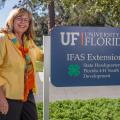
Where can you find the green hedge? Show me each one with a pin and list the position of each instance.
(40, 111)
(93, 109)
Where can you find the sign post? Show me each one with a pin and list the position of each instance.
(46, 42)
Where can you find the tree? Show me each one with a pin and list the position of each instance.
(109, 9)
(92, 12)
(76, 12)
(51, 12)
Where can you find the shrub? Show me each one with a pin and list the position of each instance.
(92, 109)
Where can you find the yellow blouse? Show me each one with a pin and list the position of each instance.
(12, 66)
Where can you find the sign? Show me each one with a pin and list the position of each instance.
(85, 56)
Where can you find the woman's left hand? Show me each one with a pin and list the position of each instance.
(3, 103)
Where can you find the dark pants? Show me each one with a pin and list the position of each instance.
(19, 110)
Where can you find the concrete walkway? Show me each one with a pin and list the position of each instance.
(62, 93)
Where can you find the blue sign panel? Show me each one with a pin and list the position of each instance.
(85, 56)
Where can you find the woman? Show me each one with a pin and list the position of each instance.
(17, 73)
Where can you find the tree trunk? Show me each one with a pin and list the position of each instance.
(51, 22)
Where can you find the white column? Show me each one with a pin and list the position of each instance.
(47, 56)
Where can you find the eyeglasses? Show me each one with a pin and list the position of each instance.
(20, 19)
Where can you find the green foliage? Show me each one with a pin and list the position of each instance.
(40, 111)
(33, 1)
(92, 12)
(109, 9)
(39, 66)
(92, 109)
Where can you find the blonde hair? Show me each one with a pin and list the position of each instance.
(10, 20)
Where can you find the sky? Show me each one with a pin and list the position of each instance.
(4, 12)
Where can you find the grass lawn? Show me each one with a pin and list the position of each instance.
(93, 109)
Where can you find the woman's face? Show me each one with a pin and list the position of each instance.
(21, 23)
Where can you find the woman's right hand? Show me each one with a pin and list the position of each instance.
(3, 103)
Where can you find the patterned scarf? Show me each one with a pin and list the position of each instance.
(29, 70)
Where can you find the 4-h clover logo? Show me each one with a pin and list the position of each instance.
(74, 70)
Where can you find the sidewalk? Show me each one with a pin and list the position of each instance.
(62, 93)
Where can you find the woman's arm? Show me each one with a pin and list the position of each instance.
(3, 101)
(37, 52)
